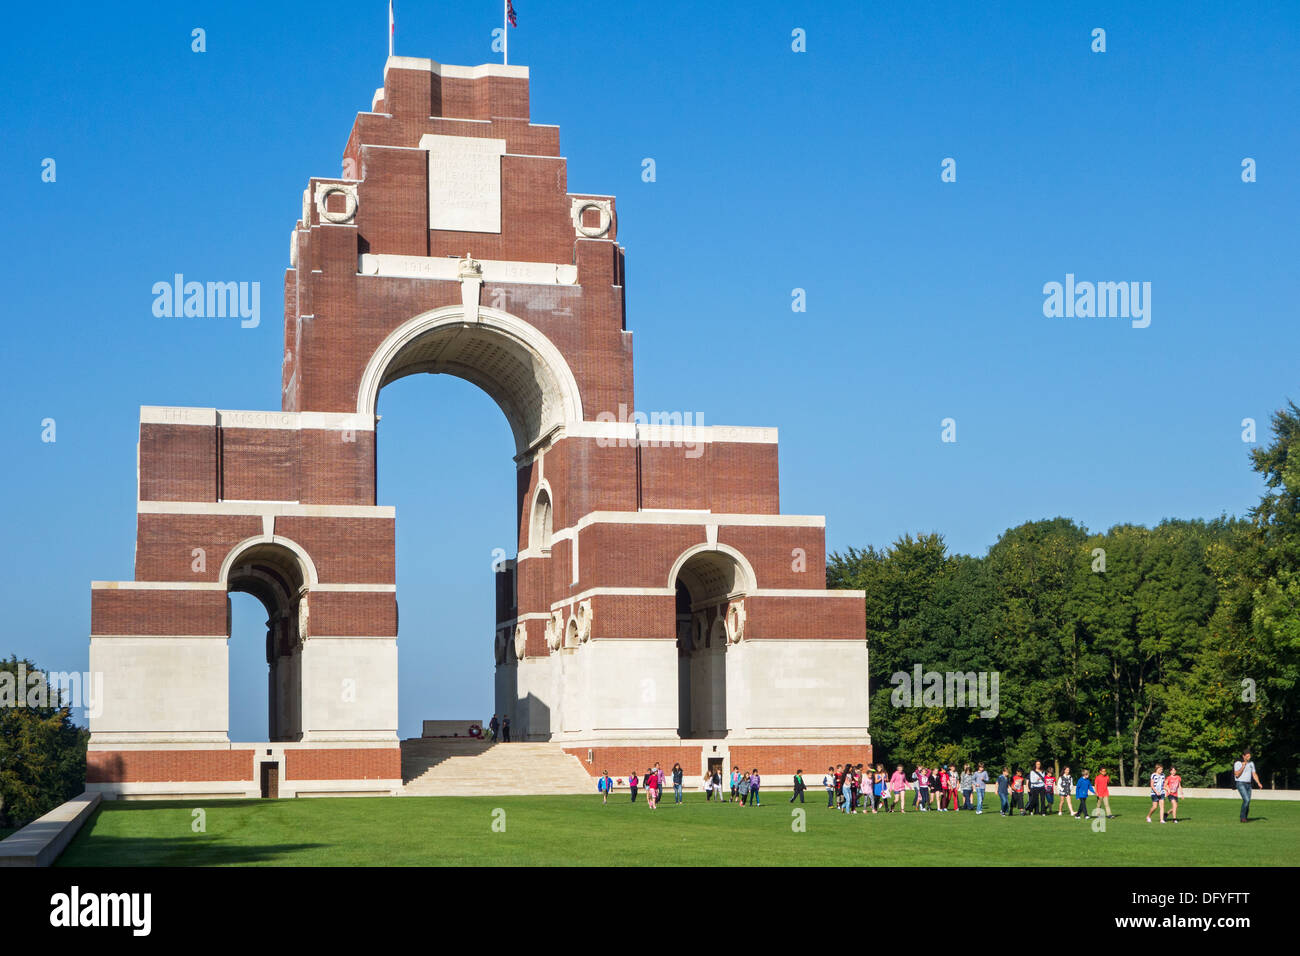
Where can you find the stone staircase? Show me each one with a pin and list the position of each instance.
(461, 767)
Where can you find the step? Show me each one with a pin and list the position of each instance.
(434, 766)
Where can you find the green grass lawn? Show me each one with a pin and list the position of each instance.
(579, 830)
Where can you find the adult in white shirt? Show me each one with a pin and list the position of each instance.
(1243, 772)
(1037, 789)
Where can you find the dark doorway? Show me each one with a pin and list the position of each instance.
(270, 781)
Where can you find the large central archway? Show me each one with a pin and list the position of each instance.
(518, 366)
(528, 379)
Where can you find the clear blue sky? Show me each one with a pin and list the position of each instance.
(776, 170)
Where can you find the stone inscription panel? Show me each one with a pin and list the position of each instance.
(464, 182)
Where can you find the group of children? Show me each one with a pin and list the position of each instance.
(1165, 788)
(1043, 786)
(851, 787)
(854, 787)
(744, 786)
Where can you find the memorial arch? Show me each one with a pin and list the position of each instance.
(279, 574)
(655, 607)
(512, 361)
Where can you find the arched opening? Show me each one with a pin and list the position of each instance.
(708, 583)
(450, 490)
(521, 369)
(539, 534)
(443, 459)
(277, 577)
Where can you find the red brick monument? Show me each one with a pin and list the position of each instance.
(660, 606)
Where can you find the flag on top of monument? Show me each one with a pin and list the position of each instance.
(510, 14)
(392, 28)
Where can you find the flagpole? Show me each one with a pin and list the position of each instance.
(505, 32)
(391, 27)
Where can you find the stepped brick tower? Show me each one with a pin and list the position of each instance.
(659, 607)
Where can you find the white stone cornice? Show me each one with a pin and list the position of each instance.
(702, 518)
(611, 592)
(230, 418)
(357, 588)
(810, 593)
(450, 71)
(264, 508)
(670, 435)
(448, 268)
(218, 586)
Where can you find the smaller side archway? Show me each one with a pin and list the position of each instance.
(710, 582)
(279, 573)
(541, 522)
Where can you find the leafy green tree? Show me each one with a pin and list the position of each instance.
(1178, 643)
(42, 753)
(1032, 568)
(1252, 659)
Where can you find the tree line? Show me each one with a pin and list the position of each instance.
(1174, 643)
(42, 752)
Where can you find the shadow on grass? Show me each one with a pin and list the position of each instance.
(128, 806)
(199, 850)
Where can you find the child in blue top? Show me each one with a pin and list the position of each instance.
(1082, 790)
